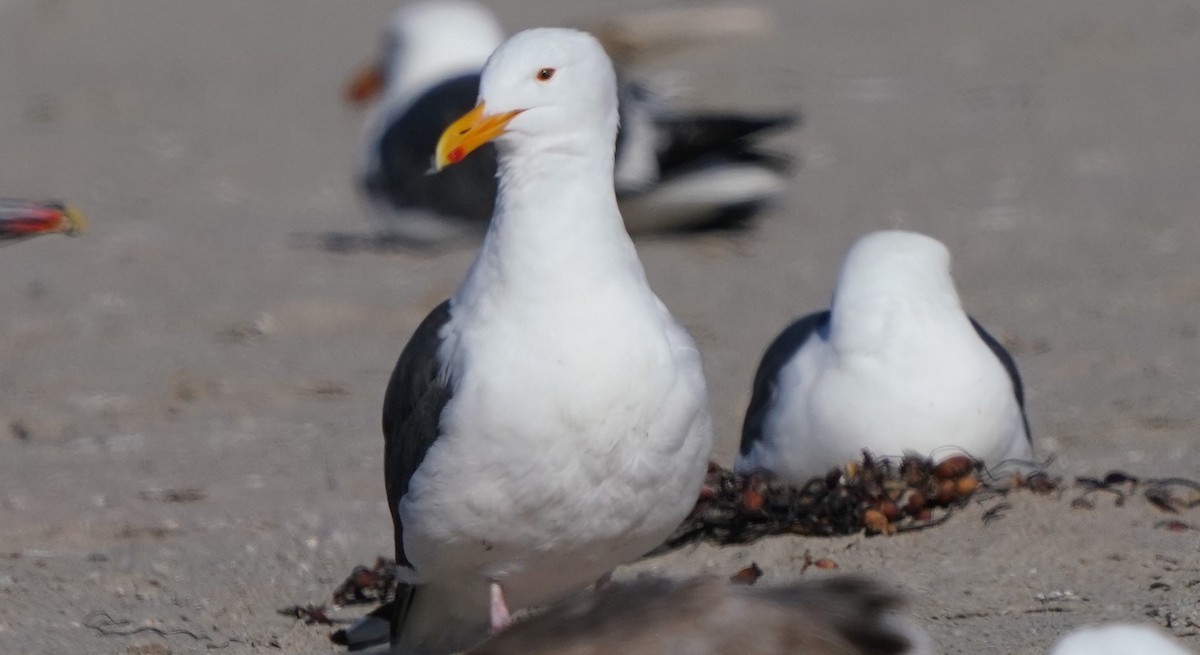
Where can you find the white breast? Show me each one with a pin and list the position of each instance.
(558, 462)
(932, 392)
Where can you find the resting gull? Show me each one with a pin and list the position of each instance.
(549, 422)
(674, 170)
(896, 365)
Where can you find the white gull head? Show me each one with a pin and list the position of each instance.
(545, 91)
(887, 274)
(429, 42)
(560, 80)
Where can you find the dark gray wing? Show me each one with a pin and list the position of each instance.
(766, 379)
(691, 145)
(689, 138)
(681, 139)
(402, 178)
(412, 409)
(1009, 365)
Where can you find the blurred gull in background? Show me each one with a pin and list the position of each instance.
(839, 615)
(674, 170)
(836, 616)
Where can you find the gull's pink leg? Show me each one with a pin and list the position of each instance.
(500, 614)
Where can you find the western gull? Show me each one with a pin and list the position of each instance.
(550, 421)
(1118, 639)
(674, 170)
(895, 365)
(24, 219)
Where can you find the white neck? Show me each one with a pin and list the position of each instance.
(556, 230)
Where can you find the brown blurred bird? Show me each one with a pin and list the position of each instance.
(835, 616)
(25, 219)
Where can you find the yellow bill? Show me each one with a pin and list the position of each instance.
(466, 134)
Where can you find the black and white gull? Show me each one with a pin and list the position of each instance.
(550, 421)
(674, 170)
(894, 366)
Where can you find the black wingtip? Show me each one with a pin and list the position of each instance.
(691, 137)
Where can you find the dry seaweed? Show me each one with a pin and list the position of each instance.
(880, 496)
(376, 584)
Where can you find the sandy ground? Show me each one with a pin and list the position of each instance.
(190, 398)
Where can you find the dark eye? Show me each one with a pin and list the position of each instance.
(545, 74)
